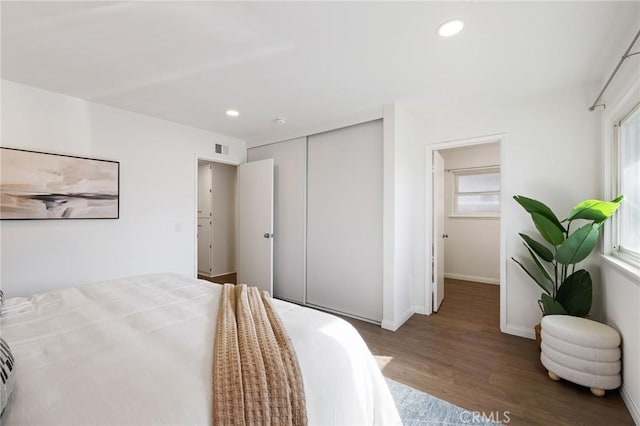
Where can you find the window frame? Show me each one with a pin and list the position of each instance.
(628, 256)
(475, 171)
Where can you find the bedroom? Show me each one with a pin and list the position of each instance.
(79, 79)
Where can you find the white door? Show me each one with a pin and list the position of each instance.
(290, 183)
(254, 230)
(204, 246)
(438, 235)
(344, 220)
(205, 190)
(205, 185)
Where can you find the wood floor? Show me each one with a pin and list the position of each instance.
(459, 355)
(221, 279)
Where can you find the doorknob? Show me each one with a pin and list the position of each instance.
(445, 235)
(267, 235)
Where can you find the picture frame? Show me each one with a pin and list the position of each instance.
(37, 185)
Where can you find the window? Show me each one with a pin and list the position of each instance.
(477, 193)
(627, 222)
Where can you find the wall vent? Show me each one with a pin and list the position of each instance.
(221, 149)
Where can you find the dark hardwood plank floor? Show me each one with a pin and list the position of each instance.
(221, 279)
(460, 355)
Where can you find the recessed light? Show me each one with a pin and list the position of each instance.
(232, 113)
(280, 120)
(450, 27)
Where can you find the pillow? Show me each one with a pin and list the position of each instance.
(6, 373)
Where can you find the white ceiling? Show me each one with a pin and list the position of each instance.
(311, 62)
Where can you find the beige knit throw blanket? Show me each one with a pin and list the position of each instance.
(256, 376)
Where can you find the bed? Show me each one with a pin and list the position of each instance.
(139, 351)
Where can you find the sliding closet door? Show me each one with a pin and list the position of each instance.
(344, 220)
(289, 214)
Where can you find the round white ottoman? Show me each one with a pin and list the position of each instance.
(581, 351)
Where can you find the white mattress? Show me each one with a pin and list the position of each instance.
(138, 351)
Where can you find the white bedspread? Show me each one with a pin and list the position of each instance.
(139, 351)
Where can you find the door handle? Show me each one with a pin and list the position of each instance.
(267, 235)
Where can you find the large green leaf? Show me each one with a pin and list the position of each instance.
(551, 306)
(538, 248)
(541, 268)
(549, 230)
(575, 293)
(533, 277)
(535, 206)
(595, 210)
(579, 244)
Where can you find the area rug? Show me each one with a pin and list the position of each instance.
(417, 408)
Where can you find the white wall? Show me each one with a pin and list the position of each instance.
(398, 218)
(472, 251)
(224, 219)
(621, 310)
(156, 229)
(551, 153)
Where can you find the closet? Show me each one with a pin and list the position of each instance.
(328, 219)
(344, 220)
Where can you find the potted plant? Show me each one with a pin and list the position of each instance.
(565, 290)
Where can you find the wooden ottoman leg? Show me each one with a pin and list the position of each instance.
(553, 376)
(597, 392)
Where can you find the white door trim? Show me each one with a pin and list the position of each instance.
(197, 158)
(504, 199)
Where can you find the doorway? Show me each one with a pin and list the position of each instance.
(216, 221)
(234, 222)
(465, 232)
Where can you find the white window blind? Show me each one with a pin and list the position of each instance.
(628, 220)
(477, 193)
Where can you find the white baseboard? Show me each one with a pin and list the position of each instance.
(520, 331)
(205, 274)
(394, 325)
(344, 314)
(420, 310)
(631, 405)
(483, 280)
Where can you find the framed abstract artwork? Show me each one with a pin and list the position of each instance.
(39, 185)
